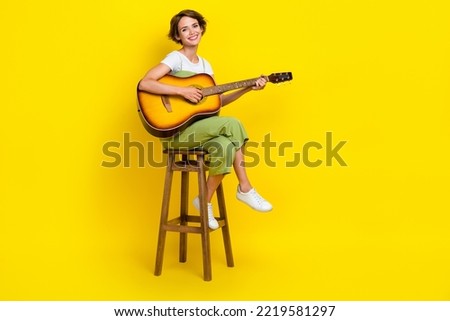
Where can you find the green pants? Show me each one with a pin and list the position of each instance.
(220, 136)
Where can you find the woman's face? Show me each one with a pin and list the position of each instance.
(189, 31)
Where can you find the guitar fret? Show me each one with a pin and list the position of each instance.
(226, 87)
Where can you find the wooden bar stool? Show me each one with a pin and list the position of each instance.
(191, 161)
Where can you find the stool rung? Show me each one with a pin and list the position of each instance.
(189, 218)
(184, 151)
(175, 223)
(195, 218)
(187, 166)
(183, 228)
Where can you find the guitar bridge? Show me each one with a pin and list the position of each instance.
(166, 102)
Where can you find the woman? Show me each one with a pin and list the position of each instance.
(222, 137)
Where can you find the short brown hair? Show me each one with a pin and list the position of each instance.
(173, 32)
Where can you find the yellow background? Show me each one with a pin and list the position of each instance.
(374, 73)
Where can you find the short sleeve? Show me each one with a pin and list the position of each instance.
(173, 61)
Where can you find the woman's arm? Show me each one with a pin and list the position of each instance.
(151, 84)
(229, 98)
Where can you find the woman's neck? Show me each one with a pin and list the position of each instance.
(190, 53)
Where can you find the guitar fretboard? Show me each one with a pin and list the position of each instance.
(214, 90)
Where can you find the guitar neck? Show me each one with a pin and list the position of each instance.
(214, 90)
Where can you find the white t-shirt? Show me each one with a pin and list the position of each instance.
(177, 62)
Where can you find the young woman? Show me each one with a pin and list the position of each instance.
(222, 137)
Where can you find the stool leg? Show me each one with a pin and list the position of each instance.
(183, 214)
(206, 246)
(225, 228)
(164, 215)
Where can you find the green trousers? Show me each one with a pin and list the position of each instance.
(220, 136)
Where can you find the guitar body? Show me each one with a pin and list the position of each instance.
(164, 116)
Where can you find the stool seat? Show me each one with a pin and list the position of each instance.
(191, 161)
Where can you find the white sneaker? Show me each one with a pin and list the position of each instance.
(254, 200)
(212, 222)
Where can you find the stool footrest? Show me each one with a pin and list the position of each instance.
(183, 228)
(174, 225)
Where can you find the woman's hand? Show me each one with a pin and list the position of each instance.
(191, 93)
(260, 83)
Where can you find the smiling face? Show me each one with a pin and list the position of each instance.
(184, 22)
(189, 31)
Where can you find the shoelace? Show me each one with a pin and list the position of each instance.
(256, 196)
(210, 213)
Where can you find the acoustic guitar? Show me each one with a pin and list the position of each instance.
(165, 116)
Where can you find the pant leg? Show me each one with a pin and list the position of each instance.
(220, 136)
(221, 155)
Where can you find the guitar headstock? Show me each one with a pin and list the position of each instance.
(280, 77)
